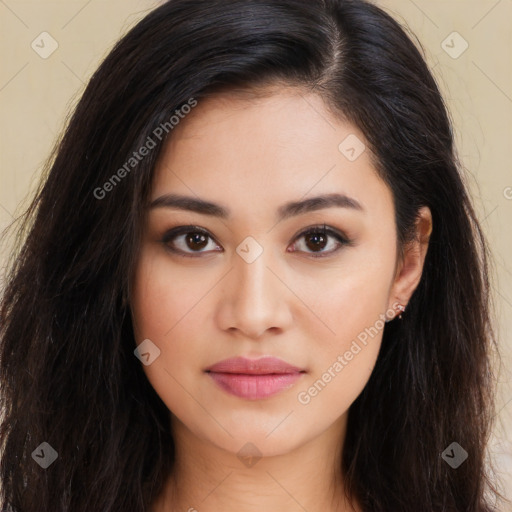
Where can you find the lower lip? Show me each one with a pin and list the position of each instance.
(254, 387)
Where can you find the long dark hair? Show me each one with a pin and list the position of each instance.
(68, 374)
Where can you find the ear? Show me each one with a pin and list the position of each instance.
(410, 267)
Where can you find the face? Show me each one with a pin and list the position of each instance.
(254, 282)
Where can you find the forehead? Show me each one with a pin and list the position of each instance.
(267, 145)
(270, 113)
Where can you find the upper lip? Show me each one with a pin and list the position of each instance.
(261, 366)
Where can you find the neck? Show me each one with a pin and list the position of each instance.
(208, 478)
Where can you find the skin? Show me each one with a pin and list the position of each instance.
(252, 155)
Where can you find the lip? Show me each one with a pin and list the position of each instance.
(254, 379)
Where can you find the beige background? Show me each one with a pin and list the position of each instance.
(36, 94)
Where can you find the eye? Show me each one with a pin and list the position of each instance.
(317, 239)
(187, 237)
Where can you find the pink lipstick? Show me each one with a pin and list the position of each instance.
(254, 379)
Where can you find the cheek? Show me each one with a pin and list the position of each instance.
(351, 303)
(163, 311)
(162, 297)
(344, 359)
(162, 306)
(350, 297)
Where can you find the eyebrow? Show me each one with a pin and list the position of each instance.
(285, 211)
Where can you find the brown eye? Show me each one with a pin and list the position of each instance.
(316, 241)
(318, 238)
(187, 240)
(196, 241)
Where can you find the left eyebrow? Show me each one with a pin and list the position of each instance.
(285, 211)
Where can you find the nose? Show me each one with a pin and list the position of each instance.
(254, 298)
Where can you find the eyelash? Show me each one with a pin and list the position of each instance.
(318, 230)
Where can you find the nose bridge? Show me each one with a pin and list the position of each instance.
(253, 280)
(255, 300)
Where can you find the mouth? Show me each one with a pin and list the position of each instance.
(254, 379)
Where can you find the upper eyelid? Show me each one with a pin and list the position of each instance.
(180, 230)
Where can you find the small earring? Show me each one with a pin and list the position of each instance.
(402, 309)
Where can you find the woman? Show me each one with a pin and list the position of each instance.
(252, 279)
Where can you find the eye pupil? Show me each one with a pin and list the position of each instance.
(317, 237)
(198, 239)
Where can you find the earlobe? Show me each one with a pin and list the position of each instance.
(410, 269)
